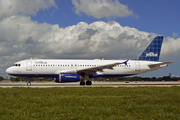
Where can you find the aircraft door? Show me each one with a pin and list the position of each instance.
(137, 66)
(29, 65)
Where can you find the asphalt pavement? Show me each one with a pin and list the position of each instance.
(94, 84)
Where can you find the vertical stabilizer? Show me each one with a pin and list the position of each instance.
(152, 52)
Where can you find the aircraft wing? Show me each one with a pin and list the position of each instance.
(163, 64)
(93, 70)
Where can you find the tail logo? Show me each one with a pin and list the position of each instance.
(151, 54)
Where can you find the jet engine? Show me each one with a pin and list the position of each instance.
(68, 77)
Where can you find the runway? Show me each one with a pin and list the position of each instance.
(94, 84)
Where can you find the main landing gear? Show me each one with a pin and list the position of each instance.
(85, 77)
(88, 82)
(82, 83)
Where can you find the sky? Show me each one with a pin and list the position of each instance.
(88, 29)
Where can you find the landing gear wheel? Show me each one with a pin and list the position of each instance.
(29, 84)
(88, 82)
(82, 83)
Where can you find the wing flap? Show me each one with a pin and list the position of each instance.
(93, 70)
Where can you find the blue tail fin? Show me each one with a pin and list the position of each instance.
(152, 52)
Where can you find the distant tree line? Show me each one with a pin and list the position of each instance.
(136, 78)
(1, 78)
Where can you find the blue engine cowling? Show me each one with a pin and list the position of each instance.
(68, 77)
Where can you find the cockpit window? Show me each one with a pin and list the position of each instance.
(17, 65)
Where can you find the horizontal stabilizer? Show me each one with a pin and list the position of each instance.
(163, 64)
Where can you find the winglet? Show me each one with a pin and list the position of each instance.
(126, 62)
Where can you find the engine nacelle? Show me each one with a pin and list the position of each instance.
(68, 77)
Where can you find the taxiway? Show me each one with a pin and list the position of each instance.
(94, 84)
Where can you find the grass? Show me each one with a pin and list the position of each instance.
(90, 103)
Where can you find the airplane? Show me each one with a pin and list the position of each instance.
(73, 70)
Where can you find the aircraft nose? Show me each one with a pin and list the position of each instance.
(8, 71)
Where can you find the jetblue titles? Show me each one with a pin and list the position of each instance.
(151, 54)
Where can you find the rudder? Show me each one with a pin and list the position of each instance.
(152, 52)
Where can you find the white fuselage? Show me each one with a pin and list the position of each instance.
(79, 70)
(53, 67)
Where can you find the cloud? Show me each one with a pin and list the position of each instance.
(102, 8)
(96, 40)
(29, 40)
(15, 7)
(175, 34)
(21, 38)
(87, 34)
(171, 49)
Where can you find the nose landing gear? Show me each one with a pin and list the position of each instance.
(29, 82)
